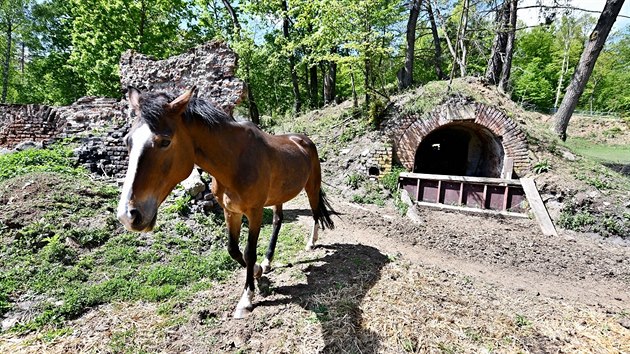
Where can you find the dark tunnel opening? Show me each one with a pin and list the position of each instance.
(460, 148)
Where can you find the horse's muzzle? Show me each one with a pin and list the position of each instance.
(134, 220)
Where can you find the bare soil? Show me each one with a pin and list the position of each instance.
(380, 282)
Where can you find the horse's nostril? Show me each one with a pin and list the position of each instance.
(134, 216)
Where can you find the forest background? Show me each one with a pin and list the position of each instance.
(297, 55)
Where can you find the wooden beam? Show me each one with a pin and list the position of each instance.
(472, 210)
(506, 194)
(469, 179)
(538, 207)
(508, 168)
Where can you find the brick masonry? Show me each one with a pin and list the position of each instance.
(376, 162)
(406, 132)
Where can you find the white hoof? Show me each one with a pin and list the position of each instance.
(266, 266)
(242, 313)
(313, 239)
(244, 307)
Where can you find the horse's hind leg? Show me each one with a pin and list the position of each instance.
(312, 191)
(277, 223)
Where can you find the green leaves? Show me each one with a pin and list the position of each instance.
(103, 30)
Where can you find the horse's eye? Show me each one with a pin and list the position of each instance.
(164, 143)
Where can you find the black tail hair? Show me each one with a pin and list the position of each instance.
(325, 211)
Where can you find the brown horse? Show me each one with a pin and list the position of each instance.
(250, 168)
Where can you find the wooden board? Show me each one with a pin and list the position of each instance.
(538, 207)
(470, 179)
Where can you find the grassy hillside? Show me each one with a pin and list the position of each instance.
(585, 181)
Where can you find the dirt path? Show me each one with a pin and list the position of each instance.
(509, 253)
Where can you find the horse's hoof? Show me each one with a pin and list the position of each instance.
(242, 313)
(258, 271)
(266, 266)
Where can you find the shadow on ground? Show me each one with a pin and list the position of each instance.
(336, 286)
(624, 169)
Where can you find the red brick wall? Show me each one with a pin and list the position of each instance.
(408, 131)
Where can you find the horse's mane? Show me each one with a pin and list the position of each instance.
(152, 109)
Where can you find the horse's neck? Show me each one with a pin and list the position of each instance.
(217, 148)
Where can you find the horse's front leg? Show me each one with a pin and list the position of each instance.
(244, 306)
(233, 222)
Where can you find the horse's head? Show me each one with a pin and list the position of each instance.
(161, 154)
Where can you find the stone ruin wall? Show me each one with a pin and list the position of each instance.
(101, 123)
(211, 67)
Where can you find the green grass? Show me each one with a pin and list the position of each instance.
(64, 248)
(58, 158)
(601, 152)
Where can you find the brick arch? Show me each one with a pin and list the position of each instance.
(411, 129)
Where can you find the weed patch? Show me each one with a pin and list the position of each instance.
(57, 158)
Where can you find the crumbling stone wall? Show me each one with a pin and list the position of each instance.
(41, 123)
(22, 123)
(377, 161)
(101, 123)
(211, 67)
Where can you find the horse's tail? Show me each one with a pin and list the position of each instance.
(325, 210)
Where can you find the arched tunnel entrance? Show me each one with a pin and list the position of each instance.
(461, 148)
(463, 155)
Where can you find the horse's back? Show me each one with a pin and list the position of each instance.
(295, 160)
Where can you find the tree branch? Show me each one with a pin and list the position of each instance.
(565, 8)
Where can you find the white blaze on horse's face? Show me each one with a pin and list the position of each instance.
(134, 214)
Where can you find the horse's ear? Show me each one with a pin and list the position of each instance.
(180, 104)
(134, 97)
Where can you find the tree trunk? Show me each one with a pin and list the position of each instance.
(330, 81)
(563, 70)
(297, 106)
(585, 67)
(495, 63)
(252, 107)
(314, 85)
(406, 79)
(23, 58)
(509, 49)
(454, 50)
(235, 21)
(464, 24)
(366, 83)
(355, 100)
(141, 26)
(7, 63)
(436, 45)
